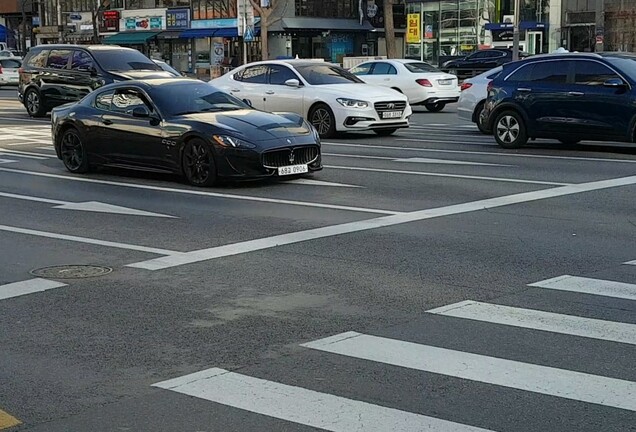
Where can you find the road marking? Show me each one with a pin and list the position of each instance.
(551, 381)
(88, 240)
(460, 176)
(204, 193)
(7, 420)
(24, 119)
(5, 161)
(522, 155)
(30, 286)
(415, 159)
(539, 320)
(90, 206)
(303, 406)
(47, 148)
(18, 153)
(589, 286)
(310, 182)
(380, 222)
(630, 262)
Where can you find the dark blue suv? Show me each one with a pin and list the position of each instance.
(569, 97)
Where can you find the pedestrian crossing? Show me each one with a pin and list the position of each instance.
(25, 135)
(306, 406)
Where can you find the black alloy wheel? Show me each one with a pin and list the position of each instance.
(33, 103)
(478, 120)
(73, 152)
(321, 117)
(198, 163)
(435, 107)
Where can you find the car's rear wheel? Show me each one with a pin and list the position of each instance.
(384, 132)
(73, 152)
(322, 118)
(510, 130)
(477, 116)
(435, 107)
(198, 163)
(34, 104)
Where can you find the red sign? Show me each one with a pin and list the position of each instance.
(110, 15)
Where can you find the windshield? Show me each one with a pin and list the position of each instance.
(625, 64)
(323, 74)
(183, 98)
(123, 60)
(420, 67)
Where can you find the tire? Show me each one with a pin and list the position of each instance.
(384, 132)
(34, 104)
(73, 152)
(322, 118)
(482, 128)
(510, 130)
(436, 107)
(197, 161)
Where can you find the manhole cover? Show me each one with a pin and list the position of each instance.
(71, 271)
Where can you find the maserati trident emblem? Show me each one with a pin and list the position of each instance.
(292, 156)
(390, 105)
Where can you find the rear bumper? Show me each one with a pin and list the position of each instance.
(439, 99)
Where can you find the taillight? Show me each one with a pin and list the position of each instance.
(489, 87)
(465, 86)
(0, 68)
(424, 82)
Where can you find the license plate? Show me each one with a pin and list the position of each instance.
(392, 114)
(445, 82)
(293, 169)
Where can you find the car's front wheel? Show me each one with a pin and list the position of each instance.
(385, 132)
(34, 104)
(198, 163)
(478, 120)
(435, 107)
(73, 152)
(510, 130)
(321, 117)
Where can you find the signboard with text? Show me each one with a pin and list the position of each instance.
(413, 29)
(146, 23)
(177, 19)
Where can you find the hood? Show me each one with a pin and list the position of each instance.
(361, 91)
(141, 74)
(255, 126)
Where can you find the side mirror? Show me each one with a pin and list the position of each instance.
(247, 102)
(292, 83)
(141, 112)
(614, 82)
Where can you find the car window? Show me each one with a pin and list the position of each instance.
(123, 60)
(554, 72)
(10, 63)
(494, 75)
(382, 68)
(126, 100)
(420, 67)
(592, 73)
(324, 74)
(58, 59)
(362, 69)
(82, 61)
(479, 55)
(279, 74)
(104, 100)
(39, 59)
(522, 74)
(255, 75)
(189, 97)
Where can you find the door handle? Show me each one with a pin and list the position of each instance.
(107, 122)
(576, 94)
(524, 90)
(387, 79)
(270, 92)
(235, 90)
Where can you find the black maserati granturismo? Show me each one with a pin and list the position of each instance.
(182, 126)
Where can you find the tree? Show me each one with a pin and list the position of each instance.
(23, 8)
(270, 12)
(389, 29)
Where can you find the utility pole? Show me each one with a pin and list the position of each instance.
(60, 24)
(515, 34)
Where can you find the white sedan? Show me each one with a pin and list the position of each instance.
(9, 71)
(473, 97)
(422, 83)
(329, 97)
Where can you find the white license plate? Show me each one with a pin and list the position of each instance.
(445, 82)
(293, 169)
(392, 114)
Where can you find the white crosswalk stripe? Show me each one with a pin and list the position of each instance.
(30, 286)
(589, 286)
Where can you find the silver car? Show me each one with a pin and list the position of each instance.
(474, 92)
(9, 71)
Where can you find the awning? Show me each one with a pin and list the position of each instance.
(3, 33)
(225, 32)
(130, 38)
(170, 34)
(333, 24)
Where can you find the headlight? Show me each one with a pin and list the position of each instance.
(352, 103)
(229, 141)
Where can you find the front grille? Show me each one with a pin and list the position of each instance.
(381, 107)
(290, 156)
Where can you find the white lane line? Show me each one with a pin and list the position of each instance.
(585, 285)
(30, 286)
(303, 406)
(540, 320)
(47, 148)
(630, 262)
(23, 119)
(5, 161)
(11, 154)
(551, 381)
(204, 193)
(459, 176)
(415, 159)
(88, 240)
(521, 155)
(380, 222)
(310, 182)
(25, 153)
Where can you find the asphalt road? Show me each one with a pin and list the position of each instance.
(215, 315)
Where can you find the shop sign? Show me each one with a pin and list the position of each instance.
(146, 23)
(214, 23)
(109, 21)
(413, 28)
(177, 19)
(428, 32)
(219, 53)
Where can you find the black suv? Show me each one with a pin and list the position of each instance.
(569, 97)
(53, 75)
(479, 61)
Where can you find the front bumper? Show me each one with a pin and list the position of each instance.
(356, 119)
